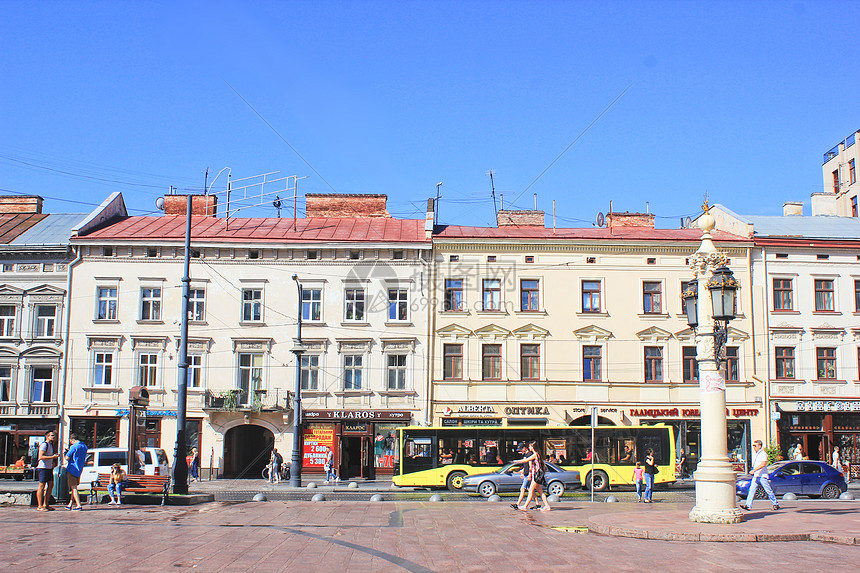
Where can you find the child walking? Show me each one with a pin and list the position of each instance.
(638, 479)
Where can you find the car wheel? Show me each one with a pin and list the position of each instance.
(830, 491)
(487, 488)
(599, 480)
(760, 493)
(455, 481)
(555, 488)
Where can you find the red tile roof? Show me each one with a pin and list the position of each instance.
(13, 225)
(214, 229)
(585, 234)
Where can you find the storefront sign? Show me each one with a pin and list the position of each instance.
(312, 415)
(315, 442)
(687, 412)
(826, 406)
(123, 413)
(481, 421)
(477, 408)
(355, 428)
(527, 411)
(450, 422)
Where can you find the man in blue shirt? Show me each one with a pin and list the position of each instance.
(76, 457)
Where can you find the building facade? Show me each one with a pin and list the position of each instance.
(535, 326)
(839, 170)
(806, 274)
(360, 279)
(35, 256)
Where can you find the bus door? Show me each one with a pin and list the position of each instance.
(418, 453)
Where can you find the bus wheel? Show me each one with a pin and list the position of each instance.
(599, 480)
(455, 481)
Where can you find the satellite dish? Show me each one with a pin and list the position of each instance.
(688, 222)
(600, 219)
(159, 203)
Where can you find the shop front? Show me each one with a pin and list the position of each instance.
(494, 415)
(21, 438)
(687, 428)
(818, 426)
(364, 442)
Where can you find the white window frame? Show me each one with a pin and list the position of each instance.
(600, 295)
(196, 305)
(405, 369)
(151, 368)
(8, 382)
(8, 323)
(347, 304)
(150, 302)
(111, 364)
(196, 369)
(41, 324)
(397, 302)
(314, 365)
(663, 309)
(251, 304)
(111, 302)
(32, 385)
(351, 356)
(241, 369)
(312, 302)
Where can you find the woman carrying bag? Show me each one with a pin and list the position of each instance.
(651, 470)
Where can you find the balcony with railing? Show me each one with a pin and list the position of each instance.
(237, 400)
(846, 143)
(41, 409)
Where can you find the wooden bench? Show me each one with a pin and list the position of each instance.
(137, 484)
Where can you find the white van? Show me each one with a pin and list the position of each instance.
(100, 460)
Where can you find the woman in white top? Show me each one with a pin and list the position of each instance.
(837, 463)
(798, 452)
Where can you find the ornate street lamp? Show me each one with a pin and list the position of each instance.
(715, 478)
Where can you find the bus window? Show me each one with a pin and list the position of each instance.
(462, 445)
(418, 453)
(623, 446)
(656, 440)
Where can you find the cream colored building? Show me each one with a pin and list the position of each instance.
(362, 274)
(535, 326)
(840, 178)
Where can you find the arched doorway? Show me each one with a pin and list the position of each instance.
(586, 421)
(246, 451)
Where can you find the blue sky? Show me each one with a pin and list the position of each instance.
(735, 99)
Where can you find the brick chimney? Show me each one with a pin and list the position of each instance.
(506, 218)
(346, 205)
(21, 204)
(627, 219)
(200, 205)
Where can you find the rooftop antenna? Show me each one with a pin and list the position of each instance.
(277, 205)
(492, 191)
(502, 197)
(647, 207)
(535, 201)
(436, 210)
(206, 182)
(553, 216)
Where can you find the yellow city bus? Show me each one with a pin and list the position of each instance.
(442, 457)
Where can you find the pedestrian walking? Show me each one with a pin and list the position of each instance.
(45, 471)
(537, 475)
(195, 465)
(524, 488)
(275, 461)
(328, 466)
(759, 476)
(651, 470)
(834, 459)
(638, 479)
(682, 464)
(76, 457)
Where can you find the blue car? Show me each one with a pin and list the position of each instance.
(815, 479)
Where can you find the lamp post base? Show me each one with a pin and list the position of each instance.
(704, 515)
(715, 494)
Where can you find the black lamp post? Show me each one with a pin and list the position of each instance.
(298, 349)
(690, 298)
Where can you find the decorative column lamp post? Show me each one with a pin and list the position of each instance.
(298, 350)
(715, 479)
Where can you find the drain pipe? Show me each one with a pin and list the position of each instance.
(67, 343)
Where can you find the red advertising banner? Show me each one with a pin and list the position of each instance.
(316, 440)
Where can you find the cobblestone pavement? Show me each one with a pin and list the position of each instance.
(400, 536)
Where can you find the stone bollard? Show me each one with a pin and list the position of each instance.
(611, 499)
(553, 498)
(353, 485)
(311, 485)
(376, 497)
(436, 497)
(847, 495)
(318, 497)
(789, 496)
(260, 497)
(494, 497)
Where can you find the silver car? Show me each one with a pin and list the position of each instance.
(508, 478)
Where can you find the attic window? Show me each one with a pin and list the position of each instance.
(195, 253)
(354, 255)
(491, 258)
(8, 268)
(454, 258)
(253, 254)
(312, 255)
(591, 260)
(651, 261)
(822, 257)
(151, 252)
(397, 255)
(107, 251)
(782, 255)
(530, 258)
